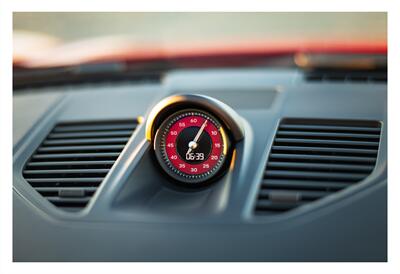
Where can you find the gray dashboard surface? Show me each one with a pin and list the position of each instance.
(215, 224)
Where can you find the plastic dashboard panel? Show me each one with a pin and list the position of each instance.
(133, 217)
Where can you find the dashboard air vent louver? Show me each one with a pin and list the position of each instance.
(321, 75)
(73, 160)
(311, 159)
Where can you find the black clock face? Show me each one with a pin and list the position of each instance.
(203, 145)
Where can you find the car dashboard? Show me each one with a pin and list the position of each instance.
(305, 181)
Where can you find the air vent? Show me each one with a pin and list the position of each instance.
(321, 75)
(73, 160)
(311, 159)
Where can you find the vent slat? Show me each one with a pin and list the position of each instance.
(69, 164)
(64, 182)
(302, 184)
(325, 143)
(89, 141)
(320, 167)
(73, 160)
(311, 159)
(56, 189)
(324, 150)
(95, 134)
(322, 158)
(292, 195)
(81, 156)
(92, 128)
(65, 172)
(331, 128)
(60, 200)
(327, 135)
(73, 149)
(311, 175)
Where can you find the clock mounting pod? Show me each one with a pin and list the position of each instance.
(192, 137)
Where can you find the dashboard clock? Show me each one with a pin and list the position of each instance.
(192, 137)
(191, 146)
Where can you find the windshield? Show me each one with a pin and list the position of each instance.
(51, 39)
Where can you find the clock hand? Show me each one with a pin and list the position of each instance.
(193, 144)
(200, 131)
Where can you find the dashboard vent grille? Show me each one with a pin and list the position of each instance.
(311, 159)
(346, 76)
(73, 160)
